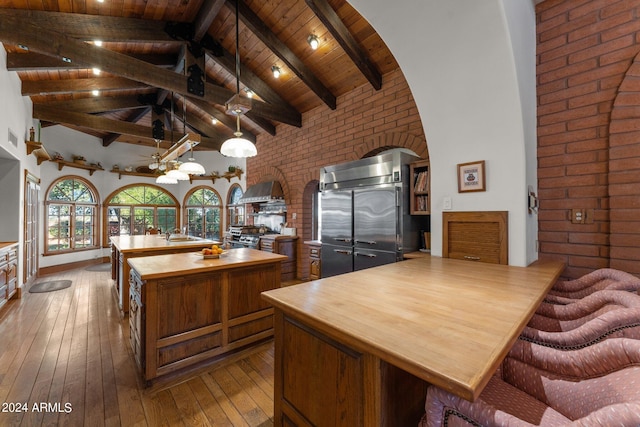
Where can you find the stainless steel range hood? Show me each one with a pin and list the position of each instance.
(262, 192)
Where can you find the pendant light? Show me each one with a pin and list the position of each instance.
(190, 167)
(164, 179)
(237, 146)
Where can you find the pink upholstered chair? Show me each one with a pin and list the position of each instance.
(603, 314)
(564, 292)
(541, 386)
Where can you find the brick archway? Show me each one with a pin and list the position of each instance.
(624, 173)
(389, 140)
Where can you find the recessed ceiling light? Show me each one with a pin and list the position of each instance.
(95, 92)
(23, 46)
(65, 59)
(214, 121)
(96, 71)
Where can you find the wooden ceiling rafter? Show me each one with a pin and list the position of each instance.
(37, 61)
(96, 122)
(49, 42)
(37, 87)
(143, 34)
(345, 39)
(295, 64)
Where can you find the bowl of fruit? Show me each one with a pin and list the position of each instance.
(212, 253)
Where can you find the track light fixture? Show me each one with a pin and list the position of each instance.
(276, 71)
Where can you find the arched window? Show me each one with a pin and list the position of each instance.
(135, 209)
(72, 221)
(235, 209)
(203, 211)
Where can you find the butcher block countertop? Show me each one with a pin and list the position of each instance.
(154, 242)
(449, 322)
(170, 265)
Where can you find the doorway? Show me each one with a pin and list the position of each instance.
(31, 226)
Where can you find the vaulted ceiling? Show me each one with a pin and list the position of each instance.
(155, 51)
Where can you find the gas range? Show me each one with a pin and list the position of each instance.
(246, 236)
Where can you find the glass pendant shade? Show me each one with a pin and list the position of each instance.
(238, 147)
(192, 168)
(164, 179)
(178, 175)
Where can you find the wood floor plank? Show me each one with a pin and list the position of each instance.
(190, 411)
(210, 406)
(240, 398)
(71, 346)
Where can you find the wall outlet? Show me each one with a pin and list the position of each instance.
(446, 204)
(294, 215)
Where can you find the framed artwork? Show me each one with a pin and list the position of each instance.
(471, 177)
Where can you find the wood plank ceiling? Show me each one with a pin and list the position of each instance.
(147, 43)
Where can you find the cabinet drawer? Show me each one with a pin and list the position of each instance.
(12, 271)
(3, 275)
(266, 245)
(314, 253)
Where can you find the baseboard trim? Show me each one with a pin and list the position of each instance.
(53, 269)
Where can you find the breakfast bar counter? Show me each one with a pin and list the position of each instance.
(184, 309)
(125, 247)
(359, 349)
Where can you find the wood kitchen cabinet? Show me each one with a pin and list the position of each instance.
(184, 310)
(8, 271)
(283, 245)
(419, 186)
(476, 236)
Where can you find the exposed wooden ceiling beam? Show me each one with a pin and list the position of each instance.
(91, 27)
(98, 104)
(36, 61)
(52, 114)
(255, 24)
(14, 31)
(336, 27)
(207, 13)
(38, 87)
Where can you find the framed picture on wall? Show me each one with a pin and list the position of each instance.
(471, 177)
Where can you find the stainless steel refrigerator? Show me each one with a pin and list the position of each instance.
(365, 213)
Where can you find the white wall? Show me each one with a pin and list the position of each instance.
(15, 116)
(463, 70)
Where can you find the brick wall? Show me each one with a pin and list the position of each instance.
(588, 84)
(364, 122)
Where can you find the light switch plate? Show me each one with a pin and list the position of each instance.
(446, 204)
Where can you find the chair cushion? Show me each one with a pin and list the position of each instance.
(499, 404)
(574, 398)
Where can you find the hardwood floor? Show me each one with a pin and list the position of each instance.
(65, 360)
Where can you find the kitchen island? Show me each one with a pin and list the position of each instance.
(185, 309)
(126, 247)
(359, 349)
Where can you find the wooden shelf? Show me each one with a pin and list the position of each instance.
(227, 175)
(89, 167)
(38, 150)
(420, 187)
(132, 173)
